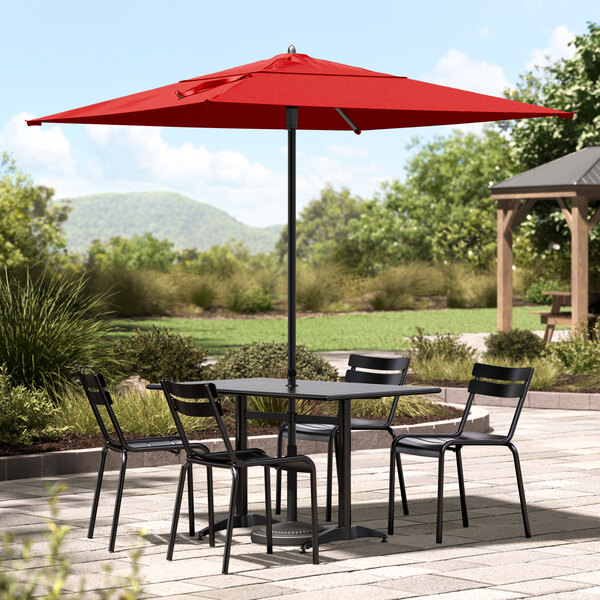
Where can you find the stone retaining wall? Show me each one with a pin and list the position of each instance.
(50, 464)
(562, 400)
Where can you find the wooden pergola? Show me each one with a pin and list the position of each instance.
(574, 181)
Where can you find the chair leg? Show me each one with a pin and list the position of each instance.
(402, 486)
(521, 491)
(234, 488)
(97, 492)
(314, 516)
(176, 510)
(192, 530)
(211, 507)
(268, 515)
(278, 475)
(392, 493)
(329, 478)
(115, 523)
(461, 488)
(440, 500)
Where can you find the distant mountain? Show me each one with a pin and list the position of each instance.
(185, 222)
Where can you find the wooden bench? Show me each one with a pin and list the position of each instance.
(555, 316)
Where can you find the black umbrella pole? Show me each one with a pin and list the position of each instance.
(292, 124)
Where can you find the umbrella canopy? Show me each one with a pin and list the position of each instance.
(294, 91)
(255, 96)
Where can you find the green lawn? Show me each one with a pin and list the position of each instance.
(373, 331)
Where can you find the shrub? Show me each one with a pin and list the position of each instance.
(318, 287)
(463, 288)
(24, 413)
(269, 359)
(203, 295)
(130, 292)
(160, 353)
(399, 287)
(578, 353)
(424, 348)
(534, 294)
(48, 329)
(250, 300)
(515, 344)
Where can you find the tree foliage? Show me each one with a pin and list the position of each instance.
(571, 84)
(138, 252)
(30, 224)
(443, 211)
(322, 229)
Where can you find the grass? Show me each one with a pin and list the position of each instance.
(371, 331)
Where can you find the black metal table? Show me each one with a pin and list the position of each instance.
(291, 532)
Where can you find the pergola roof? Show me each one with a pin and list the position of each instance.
(576, 174)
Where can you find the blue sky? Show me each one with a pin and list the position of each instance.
(65, 54)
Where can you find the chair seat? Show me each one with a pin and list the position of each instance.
(317, 432)
(160, 443)
(431, 446)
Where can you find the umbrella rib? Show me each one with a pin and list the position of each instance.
(349, 121)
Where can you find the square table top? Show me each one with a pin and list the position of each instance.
(311, 390)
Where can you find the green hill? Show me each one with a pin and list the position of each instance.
(185, 222)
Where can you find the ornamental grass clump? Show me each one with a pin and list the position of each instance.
(50, 326)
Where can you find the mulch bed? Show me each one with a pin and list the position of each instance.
(78, 441)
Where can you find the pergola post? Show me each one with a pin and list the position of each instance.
(579, 264)
(505, 263)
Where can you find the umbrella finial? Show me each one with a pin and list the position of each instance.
(292, 49)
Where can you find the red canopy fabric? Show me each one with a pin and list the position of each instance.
(255, 96)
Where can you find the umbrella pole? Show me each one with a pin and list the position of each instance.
(292, 124)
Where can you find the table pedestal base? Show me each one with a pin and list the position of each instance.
(284, 534)
(339, 534)
(238, 521)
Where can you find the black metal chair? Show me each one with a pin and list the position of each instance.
(500, 382)
(229, 459)
(396, 369)
(98, 395)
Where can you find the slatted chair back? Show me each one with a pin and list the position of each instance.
(177, 395)
(397, 368)
(499, 382)
(97, 394)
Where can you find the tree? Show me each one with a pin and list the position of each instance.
(443, 211)
(30, 224)
(322, 229)
(571, 84)
(138, 252)
(568, 84)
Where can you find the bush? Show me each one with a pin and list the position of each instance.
(24, 413)
(448, 347)
(269, 359)
(463, 288)
(578, 353)
(318, 287)
(516, 344)
(48, 330)
(160, 353)
(130, 292)
(203, 294)
(249, 301)
(399, 287)
(534, 291)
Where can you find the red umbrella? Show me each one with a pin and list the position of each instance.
(294, 91)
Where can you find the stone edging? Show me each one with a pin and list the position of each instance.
(561, 400)
(65, 462)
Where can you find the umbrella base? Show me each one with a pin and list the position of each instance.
(285, 534)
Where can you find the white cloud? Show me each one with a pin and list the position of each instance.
(38, 148)
(457, 69)
(343, 151)
(485, 32)
(558, 47)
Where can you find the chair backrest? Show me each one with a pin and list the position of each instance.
(177, 394)
(499, 382)
(395, 369)
(97, 394)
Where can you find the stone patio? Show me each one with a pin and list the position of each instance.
(491, 559)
